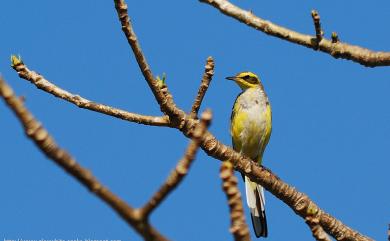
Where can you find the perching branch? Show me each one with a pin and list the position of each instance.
(41, 83)
(239, 228)
(182, 168)
(42, 139)
(337, 49)
(299, 202)
(204, 85)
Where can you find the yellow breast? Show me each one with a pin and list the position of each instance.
(251, 123)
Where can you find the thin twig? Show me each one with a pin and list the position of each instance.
(238, 228)
(317, 26)
(299, 202)
(357, 54)
(204, 85)
(127, 28)
(42, 139)
(161, 94)
(41, 83)
(182, 168)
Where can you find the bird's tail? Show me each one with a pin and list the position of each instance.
(256, 204)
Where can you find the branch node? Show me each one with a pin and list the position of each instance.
(335, 37)
(15, 61)
(317, 26)
(317, 231)
(206, 117)
(181, 169)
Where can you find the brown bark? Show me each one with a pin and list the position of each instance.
(238, 228)
(336, 49)
(42, 139)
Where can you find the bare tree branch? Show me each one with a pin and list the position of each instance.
(161, 93)
(337, 49)
(204, 85)
(239, 228)
(182, 168)
(127, 28)
(299, 202)
(42, 139)
(41, 83)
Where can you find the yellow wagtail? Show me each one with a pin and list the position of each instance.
(250, 128)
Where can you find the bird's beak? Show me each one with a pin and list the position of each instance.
(231, 78)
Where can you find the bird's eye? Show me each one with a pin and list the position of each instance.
(246, 77)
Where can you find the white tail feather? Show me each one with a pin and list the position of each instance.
(260, 189)
(256, 203)
(250, 194)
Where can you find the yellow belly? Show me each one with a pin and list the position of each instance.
(251, 131)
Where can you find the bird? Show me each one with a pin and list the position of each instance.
(250, 129)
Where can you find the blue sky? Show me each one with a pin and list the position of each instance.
(331, 118)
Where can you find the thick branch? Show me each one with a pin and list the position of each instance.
(299, 202)
(42, 139)
(204, 85)
(41, 83)
(239, 228)
(182, 168)
(357, 54)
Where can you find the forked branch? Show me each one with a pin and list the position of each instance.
(42, 139)
(336, 49)
(161, 93)
(182, 168)
(299, 202)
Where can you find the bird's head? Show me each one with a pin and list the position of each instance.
(246, 80)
